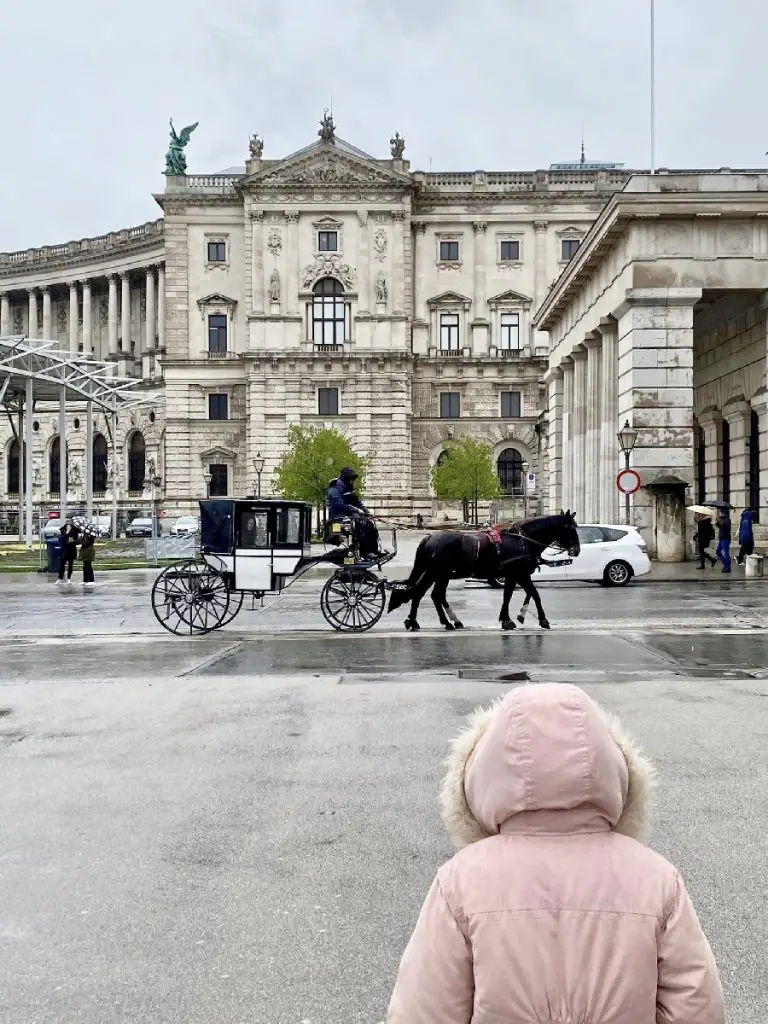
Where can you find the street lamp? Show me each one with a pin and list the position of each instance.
(524, 470)
(627, 440)
(207, 476)
(258, 465)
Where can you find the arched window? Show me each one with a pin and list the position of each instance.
(442, 456)
(54, 466)
(137, 458)
(14, 467)
(99, 464)
(510, 469)
(329, 313)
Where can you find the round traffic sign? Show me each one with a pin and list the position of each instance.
(628, 481)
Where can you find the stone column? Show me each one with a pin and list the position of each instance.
(74, 319)
(112, 314)
(398, 262)
(125, 313)
(480, 325)
(87, 318)
(591, 512)
(655, 360)
(257, 261)
(711, 423)
(160, 308)
(32, 325)
(554, 379)
(5, 315)
(609, 426)
(150, 311)
(363, 263)
(737, 415)
(47, 328)
(540, 286)
(567, 496)
(579, 431)
(291, 300)
(759, 402)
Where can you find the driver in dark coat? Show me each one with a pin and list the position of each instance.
(345, 503)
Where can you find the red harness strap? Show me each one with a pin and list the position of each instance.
(494, 534)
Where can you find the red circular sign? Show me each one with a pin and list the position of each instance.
(628, 481)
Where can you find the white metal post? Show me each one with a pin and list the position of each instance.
(29, 408)
(63, 453)
(114, 476)
(89, 459)
(22, 463)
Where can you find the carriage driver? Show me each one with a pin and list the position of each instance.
(345, 503)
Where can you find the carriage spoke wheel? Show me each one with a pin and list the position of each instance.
(190, 597)
(352, 602)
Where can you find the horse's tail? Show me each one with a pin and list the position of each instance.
(404, 591)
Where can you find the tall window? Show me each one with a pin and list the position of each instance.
(99, 467)
(754, 462)
(54, 466)
(510, 469)
(217, 332)
(449, 332)
(701, 466)
(137, 462)
(726, 434)
(217, 252)
(14, 467)
(327, 241)
(510, 250)
(510, 405)
(449, 251)
(329, 312)
(450, 405)
(569, 247)
(328, 401)
(218, 407)
(219, 486)
(510, 332)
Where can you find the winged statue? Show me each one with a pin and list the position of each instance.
(175, 160)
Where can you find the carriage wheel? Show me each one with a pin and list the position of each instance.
(235, 604)
(190, 597)
(352, 602)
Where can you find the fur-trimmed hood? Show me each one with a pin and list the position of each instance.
(544, 757)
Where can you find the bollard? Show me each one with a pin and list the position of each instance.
(754, 566)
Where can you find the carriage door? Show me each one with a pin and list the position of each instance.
(253, 551)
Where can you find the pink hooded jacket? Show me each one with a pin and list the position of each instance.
(553, 912)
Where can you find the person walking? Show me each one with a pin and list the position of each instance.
(723, 549)
(68, 537)
(746, 535)
(553, 910)
(87, 555)
(705, 534)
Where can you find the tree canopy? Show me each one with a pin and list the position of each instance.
(315, 456)
(466, 472)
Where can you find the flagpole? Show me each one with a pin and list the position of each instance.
(653, 86)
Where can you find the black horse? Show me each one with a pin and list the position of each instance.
(517, 554)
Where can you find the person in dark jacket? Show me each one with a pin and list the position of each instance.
(723, 550)
(705, 534)
(87, 555)
(68, 538)
(345, 503)
(746, 535)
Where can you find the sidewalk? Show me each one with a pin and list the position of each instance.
(688, 572)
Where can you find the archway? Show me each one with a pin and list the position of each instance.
(509, 467)
(54, 466)
(99, 464)
(13, 464)
(137, 462)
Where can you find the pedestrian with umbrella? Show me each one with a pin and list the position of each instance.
(724, 536)
(746, 535)
(705, 533)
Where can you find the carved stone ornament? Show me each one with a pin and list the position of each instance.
(73, 472)
(274, 286)
(18, 321)
(61, 319)
(103, 313)
(275, 241)
(381, 288)
(380, 245)
(327, 265)
(327, 169)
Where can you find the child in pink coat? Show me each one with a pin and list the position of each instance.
(553, 911)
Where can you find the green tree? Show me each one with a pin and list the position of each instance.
(466, 474)
(315, 456)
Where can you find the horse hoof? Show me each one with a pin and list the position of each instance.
(412, 624)
(449, 626)
(544, 623)
(508, 624)
(520, 619)
(459, 625)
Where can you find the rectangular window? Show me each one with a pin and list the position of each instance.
(510, 250)
(449, 332)
(569, 247)
(218, 407)
(217, 332)
(219, 485)
(449, 251)
(217, 252)
(450, 405)
(510, 332)
(327, 241)
(510, 405)
(328, 401)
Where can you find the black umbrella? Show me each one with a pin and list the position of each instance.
(719, 504)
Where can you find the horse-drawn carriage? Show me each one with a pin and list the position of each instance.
(259, 546)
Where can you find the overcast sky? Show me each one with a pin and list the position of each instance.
(87, 89)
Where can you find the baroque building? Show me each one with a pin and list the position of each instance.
(329, 287)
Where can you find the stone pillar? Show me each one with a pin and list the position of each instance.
(363, 263)
(579, 432)
(32, 324)
(87, 318)
(480, 325)
(737, 415)
(291, 300)
(112, 314)
(150, 311)
(5, 315)
(567, 494)
(125, 313)
(47, 327)
(655, 352)
(609, 426)
(759, 402)
(540, 284)
(160, 308)
(710, 421)
(591, 511)
(74, 320)
(554, 380)
(257, 261)
(398, 262)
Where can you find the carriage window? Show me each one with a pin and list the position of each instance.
(253, 530)
(289, 526)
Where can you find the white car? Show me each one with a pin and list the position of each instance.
(611, 555)
(185, 526)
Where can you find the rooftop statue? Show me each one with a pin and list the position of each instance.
(175, 160)
(327, 131)
(256, 146)
(397, 146)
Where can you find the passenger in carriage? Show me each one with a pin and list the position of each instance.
(344, 503)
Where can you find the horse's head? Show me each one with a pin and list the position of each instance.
(558, 530)
(569, 540)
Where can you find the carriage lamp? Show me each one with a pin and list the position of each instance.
(207, 477)
(258, 465)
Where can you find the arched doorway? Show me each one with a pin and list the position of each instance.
(13, 475)
(329, 312)
(137, 462)
(510, 469)
(54, 466)
(99, 466)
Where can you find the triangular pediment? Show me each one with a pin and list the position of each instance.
(218, 454)
(327, 164)
(510, 298)
(450, 298)
(216, 299)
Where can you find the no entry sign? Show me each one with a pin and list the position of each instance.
(628, 481)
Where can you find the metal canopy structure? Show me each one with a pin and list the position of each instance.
(34, 372)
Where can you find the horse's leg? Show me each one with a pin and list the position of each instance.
(420, 589)
(440, 601)
(530, 588)
(440, 593)
(523, 610)
(509, 586)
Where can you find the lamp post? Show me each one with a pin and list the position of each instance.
(207, 476)
(258, 465)
(156, 482)
(524, 470)
(627, 440)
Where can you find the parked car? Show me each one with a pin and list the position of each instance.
(140, 527)
(185, 526)
(609, 555)
(52, 529)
